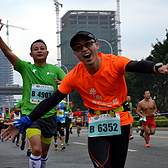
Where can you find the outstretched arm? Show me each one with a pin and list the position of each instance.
(145, 67)
(7, 52)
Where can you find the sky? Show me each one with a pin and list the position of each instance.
(142, 22)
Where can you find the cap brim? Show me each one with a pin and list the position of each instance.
(76, 37)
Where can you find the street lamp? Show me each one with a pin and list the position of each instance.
(108, 44)
(66, 73)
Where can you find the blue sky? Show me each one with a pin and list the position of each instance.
(141, 23)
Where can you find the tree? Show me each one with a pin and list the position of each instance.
(157, 84)
(76, 99)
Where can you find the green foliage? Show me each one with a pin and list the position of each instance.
(76, 99)
(161, 118)
(157, 84)
(161, 123)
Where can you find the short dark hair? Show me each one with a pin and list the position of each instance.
(37, 41)
(146, 91)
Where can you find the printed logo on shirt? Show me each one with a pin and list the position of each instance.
(50, 73)
(115, 101)
(98, 99)
(92, 91)
(34, 70)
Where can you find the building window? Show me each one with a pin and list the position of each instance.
(92, 17)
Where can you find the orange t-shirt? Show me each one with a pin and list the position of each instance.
(104, 90)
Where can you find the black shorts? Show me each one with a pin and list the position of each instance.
(59, 125)
(48, 126)
(109, 151)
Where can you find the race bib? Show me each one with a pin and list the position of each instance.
(104, 125)
(40, 92)
(60, 113)
(78, 119)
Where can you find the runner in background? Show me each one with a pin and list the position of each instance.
(130, 111)
(149, 110)
(68, 112)
(78, 116)
(61, 107)
(71, 123)
(15, 117)
(2, 126)
(7, 116)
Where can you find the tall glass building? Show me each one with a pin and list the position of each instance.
(6, 77)
(102, 24)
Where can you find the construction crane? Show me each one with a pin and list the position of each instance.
(57, 4)
(8, 64)
(7, 32)
(118, 26)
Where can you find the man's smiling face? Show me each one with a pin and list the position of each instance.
(88, 54)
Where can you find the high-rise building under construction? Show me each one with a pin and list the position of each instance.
(103, 24)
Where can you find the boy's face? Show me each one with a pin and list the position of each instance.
(39, 52)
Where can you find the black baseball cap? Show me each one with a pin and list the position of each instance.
(80, 34)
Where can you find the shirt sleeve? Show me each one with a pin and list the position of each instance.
(67, 85)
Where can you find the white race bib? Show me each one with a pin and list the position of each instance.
(104, 125)
(40, 92)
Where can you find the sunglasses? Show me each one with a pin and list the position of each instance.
(86, 44)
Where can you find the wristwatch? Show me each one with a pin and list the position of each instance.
(157, 66)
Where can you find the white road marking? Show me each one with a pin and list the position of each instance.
(131, 150)
(79, 143)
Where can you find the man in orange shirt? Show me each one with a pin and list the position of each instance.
(99, 79)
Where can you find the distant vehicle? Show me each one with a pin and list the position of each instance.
(12, 84)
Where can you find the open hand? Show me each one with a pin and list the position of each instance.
(10, 132)
(58, 81)
(163, 69)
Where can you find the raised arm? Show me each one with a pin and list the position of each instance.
(7, 52)
(145, 67)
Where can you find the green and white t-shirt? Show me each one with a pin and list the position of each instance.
(38, 84)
